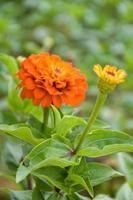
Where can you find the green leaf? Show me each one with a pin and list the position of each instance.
(102, 197)
(22, 172)
(21, 195)
(79, 177)
(104, 142)
(92, 173)
(96, 172)
(8, 117)
(52, 152)
(43, 185)
(79, 180)
(100, 124)
(54, 175)
(10, 63)
(76, 196)
(36, 194)
(15, 103)
(12, 154)
(99, 173)
(23, 133)
(67, 123)
(56, 196)
(126, 165)
(55, 116)
(125, 193)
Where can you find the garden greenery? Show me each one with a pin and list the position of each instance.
(56, 149)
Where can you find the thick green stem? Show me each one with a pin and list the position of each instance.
(45, 118)
(99, 102)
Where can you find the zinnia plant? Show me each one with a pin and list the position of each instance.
(54, 164)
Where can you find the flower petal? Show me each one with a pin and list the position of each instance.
(29, 83)
(26, 94)
(47, 100)
(57, 101)
(39, 93)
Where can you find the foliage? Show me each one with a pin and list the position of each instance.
(48, 156)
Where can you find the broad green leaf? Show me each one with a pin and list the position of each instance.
(43, 185)
(34, 122)
(22, 172)
(67, 123)
(10, 63)
(99, 173)
(36, 194)
(126, 165)
(21, 195)
(8, 117)
(102, 197)
(79, 180)
(56, 196)
(56, 146)
(12, 154)
(52, 152)
(23, 133)
(54, 175)
(93, 174)
(104, 142)
(96, 172)
(125, 193)
(76, 196)
(76, 131)
(100, 124)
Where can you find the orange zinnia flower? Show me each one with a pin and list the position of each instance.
(47, 79)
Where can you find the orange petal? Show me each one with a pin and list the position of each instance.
(47, 100)
(55, 58)
(29, 67)
(39, 93)
(22, 74)
(57, 101)
(26, 94)
(36, 102)
(29, 83)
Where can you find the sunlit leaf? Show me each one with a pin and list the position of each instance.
(21, 195)
(21, 132)
(67, 123)
(52, 152)
(104, 142)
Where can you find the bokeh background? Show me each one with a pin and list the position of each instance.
(84, 32)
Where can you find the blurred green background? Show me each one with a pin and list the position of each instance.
(82, 31)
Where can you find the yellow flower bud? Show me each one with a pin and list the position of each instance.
(109, 77)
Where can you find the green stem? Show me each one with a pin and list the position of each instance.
(45, 118)
(99, 102)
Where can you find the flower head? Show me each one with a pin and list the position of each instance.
(109, 76)
(47, 79)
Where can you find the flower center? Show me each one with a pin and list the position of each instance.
(59, 85)
(58, 70)
(111, 73)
